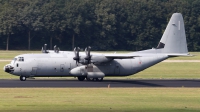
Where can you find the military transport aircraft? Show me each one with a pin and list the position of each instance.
(96, 66)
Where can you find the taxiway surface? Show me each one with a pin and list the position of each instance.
(39, 83)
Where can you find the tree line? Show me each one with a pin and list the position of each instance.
(102, 24)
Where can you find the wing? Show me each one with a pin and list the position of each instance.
(120, 56)
(102, 58)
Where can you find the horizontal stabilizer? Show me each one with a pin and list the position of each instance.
(179, 54)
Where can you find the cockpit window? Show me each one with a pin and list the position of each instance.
(15, 59)
(21, 59)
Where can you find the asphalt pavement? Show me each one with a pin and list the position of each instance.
(46, 83)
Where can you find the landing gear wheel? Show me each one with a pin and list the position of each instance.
(99, 79)
(81, 78)
(22, 78)
(90, 79)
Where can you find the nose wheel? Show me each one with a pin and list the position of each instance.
(22, 78)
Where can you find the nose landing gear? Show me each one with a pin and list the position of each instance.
(81, 78)
(22, 78)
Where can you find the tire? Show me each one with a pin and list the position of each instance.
(81, 78)
(22, 78)
(90, 79)
(99, 79)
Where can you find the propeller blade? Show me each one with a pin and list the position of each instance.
(87, 52)
(44, 49)
(76, 53)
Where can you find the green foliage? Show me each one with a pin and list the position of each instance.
(102, 24)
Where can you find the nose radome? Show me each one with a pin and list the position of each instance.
(8, 68)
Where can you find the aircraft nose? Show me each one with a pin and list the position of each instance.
(8, 68)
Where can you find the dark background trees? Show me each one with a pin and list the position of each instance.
(102, 24)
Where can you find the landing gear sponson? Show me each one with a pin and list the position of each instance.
(82, 78)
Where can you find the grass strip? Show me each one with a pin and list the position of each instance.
(98, 100)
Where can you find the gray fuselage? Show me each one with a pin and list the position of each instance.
(60, 65)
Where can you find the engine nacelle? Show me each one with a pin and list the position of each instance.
(83, 61)
(100, 59)
(95, 59)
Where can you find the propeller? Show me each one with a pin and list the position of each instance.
(44, 49)
(87, 52)
(56, 49)
(76, 52)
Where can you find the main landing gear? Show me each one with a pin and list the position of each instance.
(22, 78)
(82, 78)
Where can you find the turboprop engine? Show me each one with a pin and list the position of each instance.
(89, 71)
(98, 59)
(88, 58)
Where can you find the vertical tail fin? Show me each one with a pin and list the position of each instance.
(173, 40)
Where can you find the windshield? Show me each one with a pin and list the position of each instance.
(13, 61)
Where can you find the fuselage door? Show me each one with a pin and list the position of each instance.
(34, 71)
